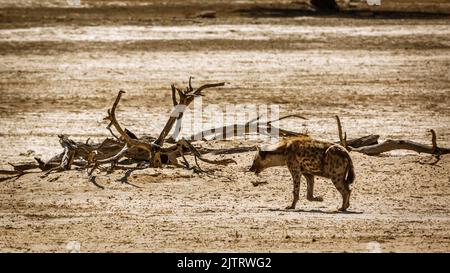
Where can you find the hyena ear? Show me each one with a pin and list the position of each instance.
(261, 153)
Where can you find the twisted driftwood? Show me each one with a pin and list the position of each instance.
(145, 151)
(391, 144)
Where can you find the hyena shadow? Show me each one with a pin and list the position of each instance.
(316, 211)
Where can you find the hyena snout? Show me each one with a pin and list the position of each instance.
(253, 168)
(256, 167)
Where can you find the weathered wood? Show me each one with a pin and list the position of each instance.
(342, 139)
(185, 98)
(391, 144)
(363, 141)
(237, 130)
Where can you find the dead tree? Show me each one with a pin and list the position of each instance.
(186, 96)
(155, 150)
(391, 144)
(125, 148)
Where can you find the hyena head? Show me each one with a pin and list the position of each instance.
(266, 159)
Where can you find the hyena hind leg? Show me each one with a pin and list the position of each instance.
(343, 188)
(310, 189)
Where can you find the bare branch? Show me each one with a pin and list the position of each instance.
(391, 144)
(342, 139)
(433, 141)
(288, 116)
(185, 99)
(190, 84)
(363, 141)
(174, 97)
(206, 86)
(112, 118)
(199, 155)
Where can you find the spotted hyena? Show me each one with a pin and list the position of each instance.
(308, 157)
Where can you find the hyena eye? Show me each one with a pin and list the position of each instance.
(262, 154)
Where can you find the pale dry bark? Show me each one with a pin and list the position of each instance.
(148, 150)
(391, 144)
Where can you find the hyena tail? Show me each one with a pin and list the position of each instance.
(350, 170)
(342, 152)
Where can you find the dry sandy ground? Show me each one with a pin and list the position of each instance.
(384, 76)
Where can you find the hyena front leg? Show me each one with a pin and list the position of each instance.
(310, 189)
(343, 188)
(296, 177)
